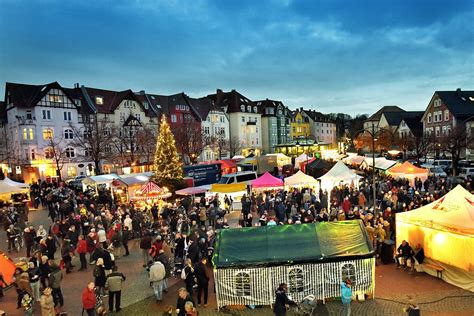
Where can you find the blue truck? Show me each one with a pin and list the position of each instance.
(203, 174)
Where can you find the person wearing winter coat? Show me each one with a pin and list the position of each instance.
(282, 302)
(346, 296)
(157, 275)
(202, 277)
(55, 278)
(82, 250)
(163, 258)
(114, 285)
(47, 303)
(99, 275)
(189, 273)
(34, 277)
(89, 299)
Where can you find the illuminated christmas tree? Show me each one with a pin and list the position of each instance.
(167, 166)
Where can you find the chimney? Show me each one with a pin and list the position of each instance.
(301, 109)
(219, 96)
(76, 85)
(142, 92)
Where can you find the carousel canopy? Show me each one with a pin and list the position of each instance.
(267, 181)
(283, 244)
(300, 179)
(339, 173)
(151, 188)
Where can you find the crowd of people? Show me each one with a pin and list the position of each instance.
(177, 240)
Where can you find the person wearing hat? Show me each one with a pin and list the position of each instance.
(47, 303)
(346, 296)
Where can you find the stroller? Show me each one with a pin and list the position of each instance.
(306, 306)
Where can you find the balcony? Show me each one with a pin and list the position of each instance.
(26, 121)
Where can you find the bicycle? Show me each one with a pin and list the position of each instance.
(17, 242)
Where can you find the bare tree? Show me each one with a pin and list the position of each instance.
(93, 141)
(455, 143)
(235, 145)
(56, 150)
(218, 144)
(189, 140)
(146, 142)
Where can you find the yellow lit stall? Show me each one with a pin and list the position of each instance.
(445, 229)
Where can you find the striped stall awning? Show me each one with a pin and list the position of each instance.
(150, 188)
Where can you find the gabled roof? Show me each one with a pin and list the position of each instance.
(414, 124)
(295, 113)
(263, 104)
(111, 99)
(232, 100)
(27, 95)
(317, 116)
(153, 110)
(203, 106)
(460, 103)
(394, 118)
(388, 108)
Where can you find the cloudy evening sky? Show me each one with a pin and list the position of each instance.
(337, 56)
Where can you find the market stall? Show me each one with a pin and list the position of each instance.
(234, 190)
(409, 172)
(300, 159)
(267, 182)
(13, 192)
(193, 190)
(317, 167)
(445, 230)
(381, 163)
(301, 180)
(101, 180)
(149, 194)
(249, 263)
(353, 159)
(340, 174)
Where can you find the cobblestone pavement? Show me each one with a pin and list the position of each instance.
(391, 284)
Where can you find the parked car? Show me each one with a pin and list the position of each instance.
(75, 179)
(443, 163)
(238, 177)
(466, 171)
(435, 171)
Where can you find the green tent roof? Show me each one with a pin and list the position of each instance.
(287, 244)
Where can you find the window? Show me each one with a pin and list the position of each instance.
(48, 153)
(87, 133)
(67, 115)
(242, 108)
(249, 108)
(70, 152)
(173, 118)
(294, 129)
(107, 131)
(68, 134)
(46, 114)
(25, 134)
(446, 115)
(138, 117)
(107, 148)
(48, 133)
(122, 117)
(255, 109)
(33, 154)
(437, 131)
(28, 134)
(29, 116)
(243, 119)
(55, 98)
(99, 100)
(88, 152)
(242, 284)
(348, 271)
(206, 130)
(295, 280)
(437, 102)
(71, 171)
(145, 105)
(429, 117)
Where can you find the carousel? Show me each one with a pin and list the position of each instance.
(149, 194)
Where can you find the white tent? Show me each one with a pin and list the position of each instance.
(8, 186)
(300, 159)
(340, 173)
(380, 163)
(101, 179)
(301, 179)
(354, 159)
(445, 229)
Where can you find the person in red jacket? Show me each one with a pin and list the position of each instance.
(88, 299)
(81, 250)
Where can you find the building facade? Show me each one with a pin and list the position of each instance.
(299, 124)
(275, 124)
(323, 129)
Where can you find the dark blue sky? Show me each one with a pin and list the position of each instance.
(337, 56)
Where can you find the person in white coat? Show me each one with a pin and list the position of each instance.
(157, 276)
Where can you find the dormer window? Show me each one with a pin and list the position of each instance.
(255, 109)
(249, 108)
(242, 108)
(437, 102)
(145, 105)
(99, 100)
